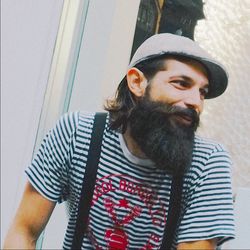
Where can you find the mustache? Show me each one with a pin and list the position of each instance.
(171, 111)
(186, 113)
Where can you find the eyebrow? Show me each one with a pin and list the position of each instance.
(189, 79)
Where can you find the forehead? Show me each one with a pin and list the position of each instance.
(186, 67)
(182, 65)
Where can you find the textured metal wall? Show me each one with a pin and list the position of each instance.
(226, 34)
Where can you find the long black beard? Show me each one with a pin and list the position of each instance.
(162, 135)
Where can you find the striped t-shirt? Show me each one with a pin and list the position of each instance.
(130, 203)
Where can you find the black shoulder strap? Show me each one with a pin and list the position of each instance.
(174, 211)
(89, 179)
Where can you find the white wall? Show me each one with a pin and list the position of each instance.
(28, 35)
(105, 52)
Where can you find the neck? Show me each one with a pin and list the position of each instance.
(132, 145)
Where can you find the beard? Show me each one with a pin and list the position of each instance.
(165, 133)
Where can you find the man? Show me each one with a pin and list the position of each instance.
(149, 138)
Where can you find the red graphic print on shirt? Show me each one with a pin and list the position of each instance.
(117, 237)
(125, 203)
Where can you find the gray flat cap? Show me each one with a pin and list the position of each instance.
(170, 44)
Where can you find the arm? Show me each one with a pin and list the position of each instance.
(32, 216)
(197, 245)
(48, 173)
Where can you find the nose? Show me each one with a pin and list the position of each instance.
(194, 100)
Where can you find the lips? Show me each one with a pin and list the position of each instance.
(184, 119)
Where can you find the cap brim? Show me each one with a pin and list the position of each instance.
(218, 79)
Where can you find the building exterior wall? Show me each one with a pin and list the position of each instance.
(28, 35)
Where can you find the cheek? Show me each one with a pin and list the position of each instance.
(166, 94)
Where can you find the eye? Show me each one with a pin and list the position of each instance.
(181, 84)
(204, 92)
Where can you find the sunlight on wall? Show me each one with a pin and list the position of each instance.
(225, 33)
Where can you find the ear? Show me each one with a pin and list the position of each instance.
(137, 82)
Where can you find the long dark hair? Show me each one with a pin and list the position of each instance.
(124, 100)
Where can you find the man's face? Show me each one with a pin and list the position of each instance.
(182, 84)
(164, 120)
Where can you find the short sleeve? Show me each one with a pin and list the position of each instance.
(208, 211)
(48, 171)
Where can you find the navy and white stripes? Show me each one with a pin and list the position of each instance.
(130, 202)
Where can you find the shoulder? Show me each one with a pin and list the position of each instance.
(77, 117)
(207, 145)
(81, 123)
(86, 119)
(207, 150)
(209, 157)
(73, 121)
